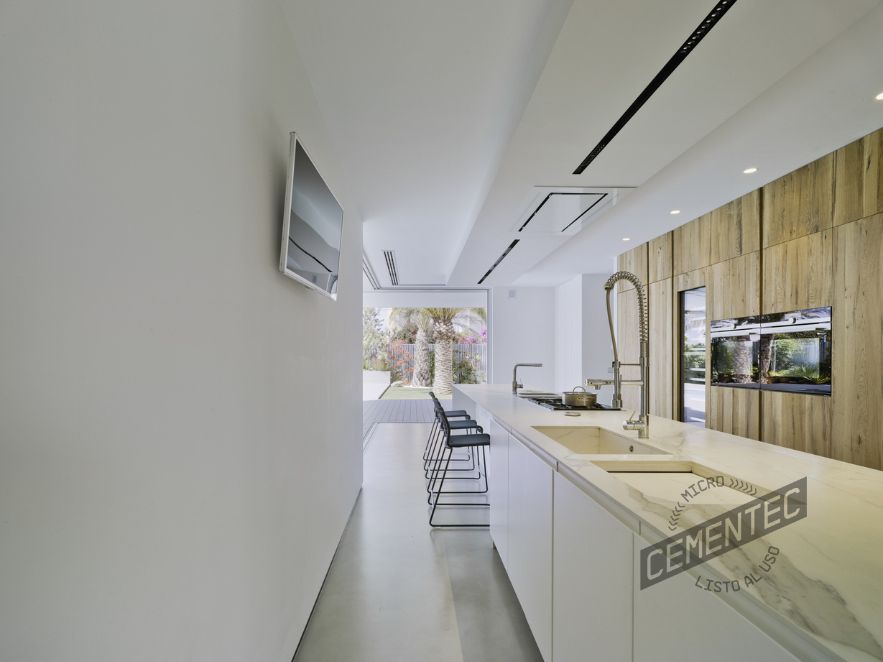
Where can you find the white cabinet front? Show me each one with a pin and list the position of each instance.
(530, 540)
(498, 488)
(676, 620)
(593, 576)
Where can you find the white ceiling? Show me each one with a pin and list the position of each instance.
(420, 99)
(448, 115)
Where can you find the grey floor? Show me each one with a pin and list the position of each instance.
(398, 590)
(397, 411)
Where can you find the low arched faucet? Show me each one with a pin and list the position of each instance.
(642, 422)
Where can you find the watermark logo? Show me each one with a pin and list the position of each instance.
(723, 533)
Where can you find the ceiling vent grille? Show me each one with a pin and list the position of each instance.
(673, 63)
(499, 259)
(390, 258)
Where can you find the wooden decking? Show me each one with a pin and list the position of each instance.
(397, 411)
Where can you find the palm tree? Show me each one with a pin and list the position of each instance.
(422, 368)
(443, 327)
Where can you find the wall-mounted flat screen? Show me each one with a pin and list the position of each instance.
(312, 224)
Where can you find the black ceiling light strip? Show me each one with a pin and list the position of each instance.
(591, 207)
(546, 199)
(391, 267)
(535, 212)
(499, 259)
(674, 62)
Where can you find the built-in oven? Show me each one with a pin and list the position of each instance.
(775, 352)
(735, 352)
(794, 352)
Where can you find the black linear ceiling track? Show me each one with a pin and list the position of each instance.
(674, 62)
(499, 259)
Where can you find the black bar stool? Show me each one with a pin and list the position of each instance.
(450, 413)
(472, 441)
(433, 457)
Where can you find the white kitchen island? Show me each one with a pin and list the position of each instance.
(569, 518)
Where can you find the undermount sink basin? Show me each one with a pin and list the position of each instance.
(587, 440)
(669, 479)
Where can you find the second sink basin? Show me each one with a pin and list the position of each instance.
(587, 440)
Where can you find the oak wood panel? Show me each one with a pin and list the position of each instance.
(734, 410)
(794, 420)
(857, 361)
(628, 343)
(800, 203)
(735, 228)
(691, 245)
(690, 280)
(661, 346)
(660, 258)
(734, 287)
(799, 274)
(635, 261)
(858, 179)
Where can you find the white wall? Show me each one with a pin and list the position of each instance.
(179, 424)
(523, 331)
(569, 334)
(582, 337)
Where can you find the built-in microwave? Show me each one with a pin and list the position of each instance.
(775, 352)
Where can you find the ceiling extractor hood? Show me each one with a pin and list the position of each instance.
(563, 210)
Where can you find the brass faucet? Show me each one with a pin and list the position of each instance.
(642, 422)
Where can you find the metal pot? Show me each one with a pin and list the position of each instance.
(578, 398)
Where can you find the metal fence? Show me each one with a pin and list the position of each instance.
(469, 362)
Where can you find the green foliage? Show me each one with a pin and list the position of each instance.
(375, 341)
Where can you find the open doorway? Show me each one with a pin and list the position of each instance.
(408, 350)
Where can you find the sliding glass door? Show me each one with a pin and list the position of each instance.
(692, 356)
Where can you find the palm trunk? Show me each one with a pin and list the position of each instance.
(443, 381)
(422, 371)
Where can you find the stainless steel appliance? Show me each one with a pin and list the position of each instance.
(734, 352)
(774, 352)
(795, 351)
(553, 401)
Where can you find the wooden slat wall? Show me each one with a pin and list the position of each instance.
(733, 290)
(811, 238)
(798, 274)
(858, 179)
(635, 261)
(801, 422)
(800, 203)
(857, 362)
(735, 228)
(661, 329)
(627, 339)
(734, 410)
(659, 255)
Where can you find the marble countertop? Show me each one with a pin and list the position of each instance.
(826, 587)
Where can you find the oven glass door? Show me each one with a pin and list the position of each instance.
(796, 358)
(734, 360)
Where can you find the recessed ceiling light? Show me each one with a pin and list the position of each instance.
(879, 97)
(750, 171)
(675, 212)
(626, 238)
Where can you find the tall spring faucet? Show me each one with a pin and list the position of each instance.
(642, 422)
(515, 384)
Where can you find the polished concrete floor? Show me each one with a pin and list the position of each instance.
(398, 590)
